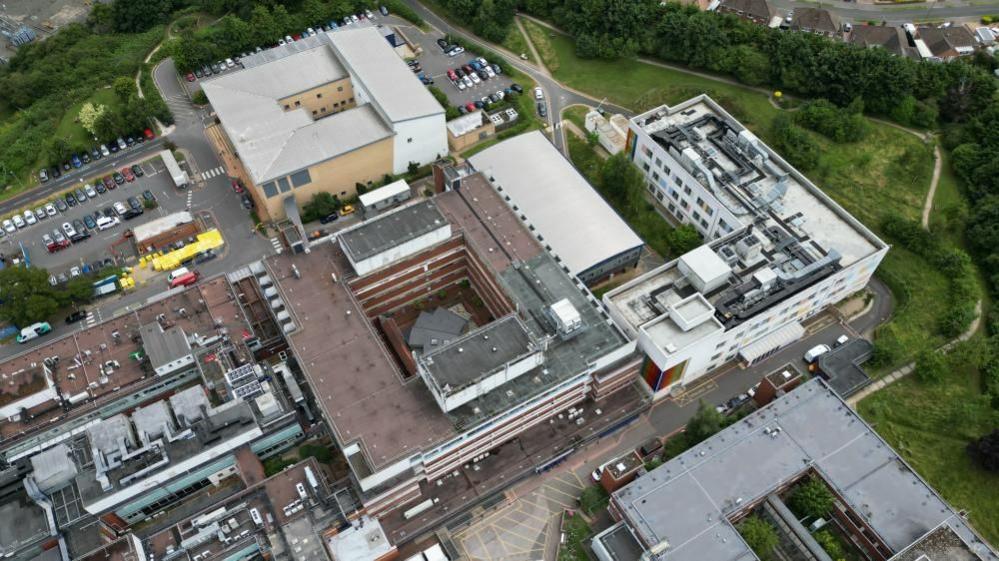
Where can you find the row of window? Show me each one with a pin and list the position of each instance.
(284, 184)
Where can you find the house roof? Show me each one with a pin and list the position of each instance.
(816, 19)
(389, 83)
(755, 8)
(887, 37)
(947, 41)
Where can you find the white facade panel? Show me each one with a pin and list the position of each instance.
(421, 140)
(400, 251)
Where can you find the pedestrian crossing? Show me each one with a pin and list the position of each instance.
(91, 318)
(214, 172)
(276, 243)
(179, 105)
(190, 197)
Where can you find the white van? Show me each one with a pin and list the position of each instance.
(255, 515)
(104, 223)
(815, 352)
(177, 273)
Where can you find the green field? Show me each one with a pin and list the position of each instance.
(576, 115)
(72, 130)
(539, 36)
(930, 425)
(517, 44)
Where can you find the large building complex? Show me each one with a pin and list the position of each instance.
(323, 114)
(689, 508)
(571, 217)
(778, 251)
(533, 341)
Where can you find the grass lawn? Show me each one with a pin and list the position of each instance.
(576, 114)
(930, 425)
(517, 44)
(73, 131)
(541, 37)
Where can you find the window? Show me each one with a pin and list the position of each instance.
(672, 208)
(659, 196)
(322, 109)
(351, 100)
(651, 188)
(298, 103)
(659, 163)
(655, 176)
(286, 106)
(645, 166)
(301, 178)
(339, 88)
(269, 189)
(314, 112)
(697, 215)
(319, 96)
(686, 189)
(704, 224)
(647, 152)
(678, 181)
(283, 185)
(684, 204)
(673, 193)
(409, 140)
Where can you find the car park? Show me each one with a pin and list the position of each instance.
(50, 209)
(19, 221)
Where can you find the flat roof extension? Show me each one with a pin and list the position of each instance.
(390, 230)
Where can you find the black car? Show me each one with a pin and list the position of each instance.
(54, 172)
(70, 199)
(99, 186)
(61, 205)
(130, 141)
(134, 203)
(478, 104)
(80, 195)
(89, 221)
(482, 74)
(247, 202)
(109, 212)
(85, 157)
(96, 154)
(215, 68)
(79, 237)
(462, 110)
(516, 87)
(113, 147)
(132, 213)
(329, 218)
(198, 73)
(75, 317)
(442, 44)
(78, 225)
(66, 166)
(204, 256)
(119, 178)
(138, 170)
(542, 109)
(148, 195)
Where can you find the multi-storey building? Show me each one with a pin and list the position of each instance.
(778, 250)
(690, 507)
(323, 114)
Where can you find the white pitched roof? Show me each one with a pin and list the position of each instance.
(573, 218)
(390, 83)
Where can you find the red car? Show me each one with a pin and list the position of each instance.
(109, 182)
(127, 172)
(237, 187)
(470, 107)
(190, 76)
(452, 75)
(148, 133)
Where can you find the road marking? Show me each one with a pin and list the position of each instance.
(276, 243)
(190, 194)
(214, 172)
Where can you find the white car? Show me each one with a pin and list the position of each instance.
(9, 227)
(354, 18)
(67, 229)
(281, 42)
(74, 272)
(120, 208)
(468, 82)
(104, 150)
(90, 191)
(40, 213)
(29, 217)
(229, 63)
(538, 93)
(489, 71)
(18, 221)
(475, 78)
(50, 209)
(456, 51)
(104, 223)
(460, 85)
(815, 352)
(501, 94)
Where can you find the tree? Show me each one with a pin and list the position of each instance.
(322, 204)
(134, 16)
(412, 168)
(931, 366)
(263, 25)
(985, 451)
(321, 453)
(27, 295)
(830, 544)
(88, 116)
(59, 149)
(593, 498)
(793, 143)
(811, 499)
(760, 535)
(684, 238)
(124, 88)
(100, 18)
(706, 422)
(315, 12)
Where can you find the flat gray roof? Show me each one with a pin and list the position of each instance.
(22, 522)
(164, 346)
(391, 229)
(581, 228)
(688, 501)
(466, 360)
(389, 82)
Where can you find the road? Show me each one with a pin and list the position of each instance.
(898, 14)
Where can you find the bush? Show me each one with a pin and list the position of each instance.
(593, 499)
(839, 124)
(275, 465)
(401, 9)
(199, 98)
(322, 454)
(811, 499)
(760, 535)
(794, 144)
(985, 451)
(322, 204)
(831, 544)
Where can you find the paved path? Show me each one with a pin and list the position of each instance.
(928, 205)
(531, 46)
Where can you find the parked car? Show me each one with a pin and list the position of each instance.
(40, 213)
(89, 222)
(542, 109)
(246, 201)
(60, 239)
(54, 172)
(85, 158)
(236, 187)
(29, 218)
(49, 243)
(137, 170)
(148, 133)
(90, 191)
(18, 221)
(383, 10)
(75, 161)
(148, 195)
(50, 209)
(539, 93)
(100, 188)
(95, 153)
(114, 148)
(67, 229)
(79, 226)
(121, 143)
(109, 212)
(119, 207)
(106, 222)
(76, 316)
(129, 176)
(8, 226)
(118, 178)
(43, 175)
(329, 218)
(134, 203)
(815, 352)
(80, 196)
(61, 205)
(74, 272)
(108, 182)
(347, 209)
(132, 213)
(442, 44)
